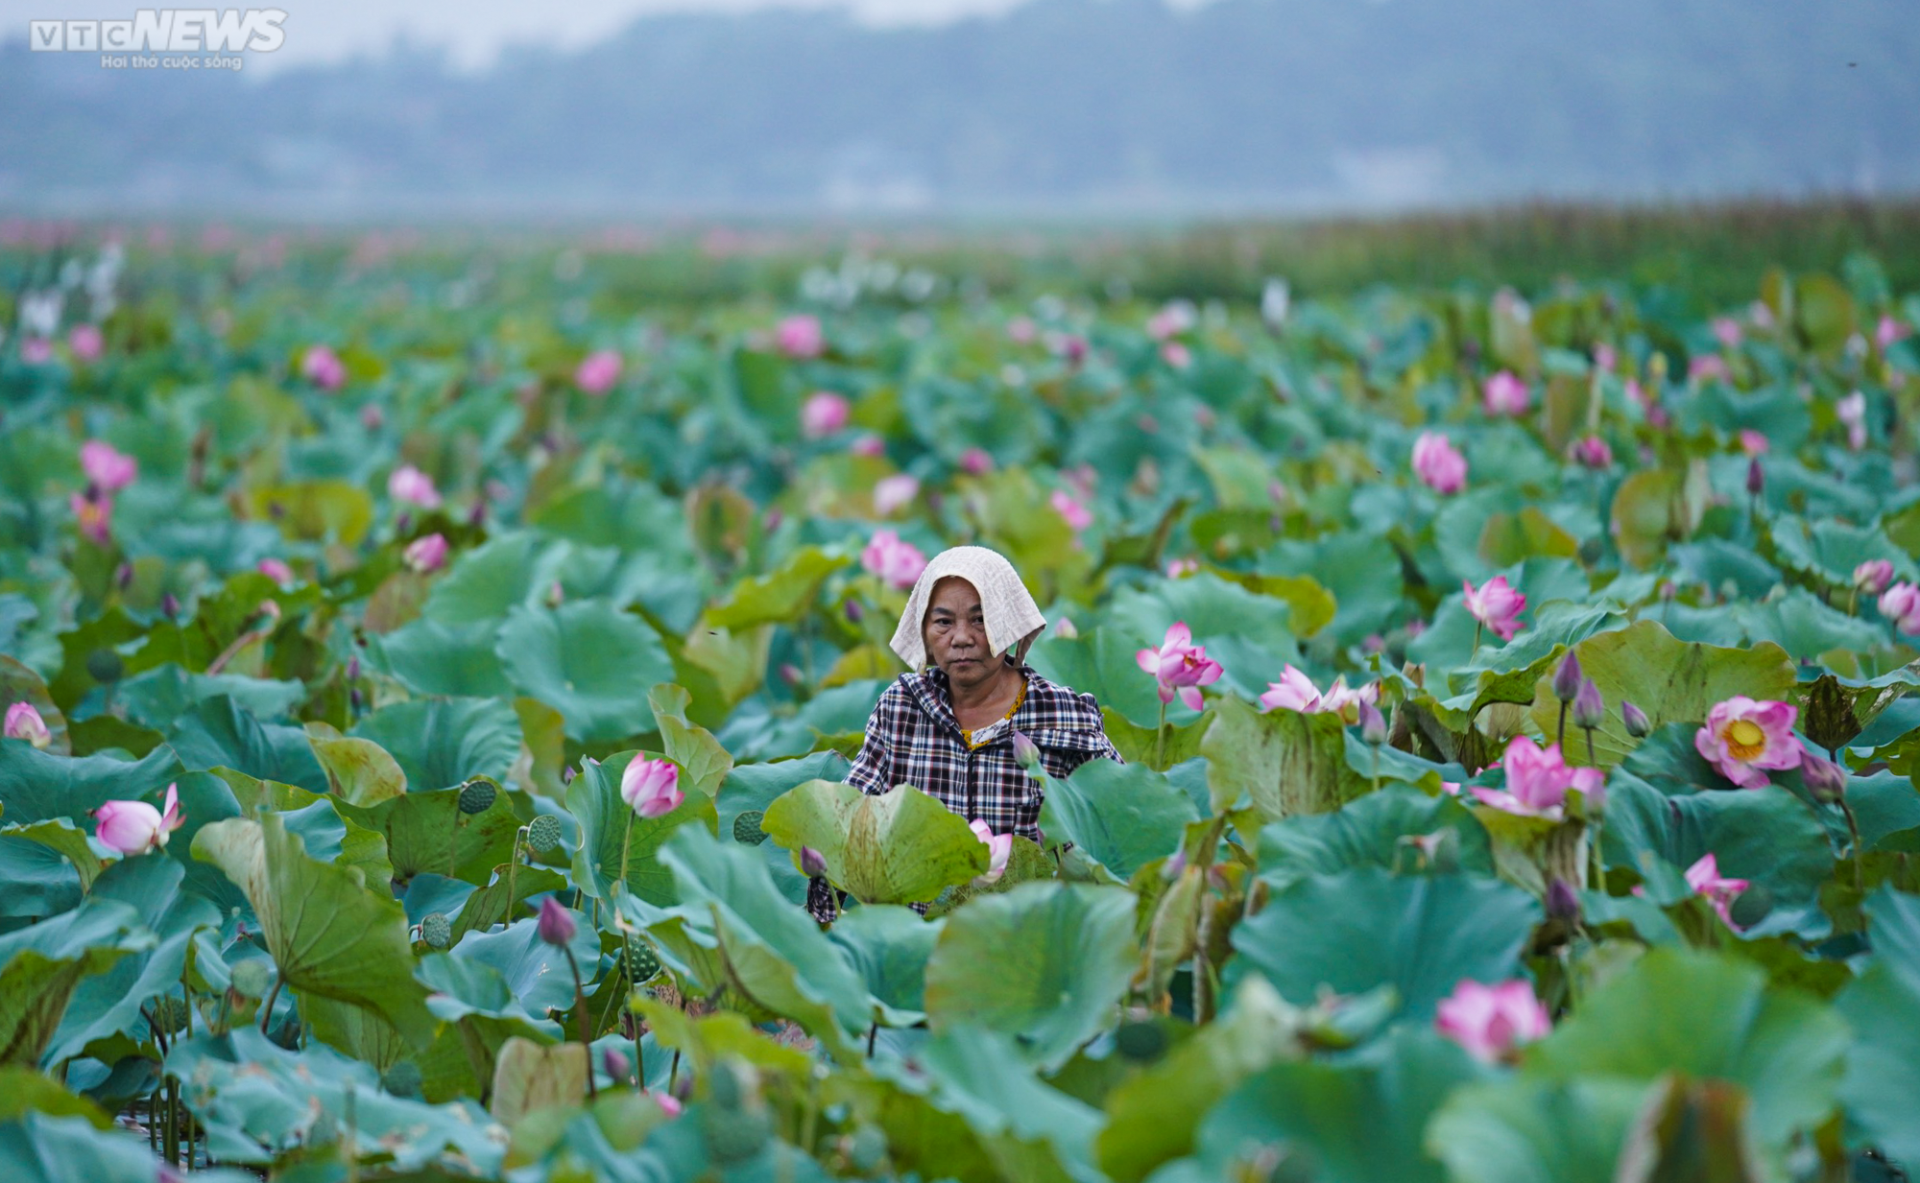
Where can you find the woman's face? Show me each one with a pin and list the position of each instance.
(955, 633)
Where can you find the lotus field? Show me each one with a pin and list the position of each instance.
(430, 681)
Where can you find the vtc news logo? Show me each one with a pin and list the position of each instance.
(164, 30)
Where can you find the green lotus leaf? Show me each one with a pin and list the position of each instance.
(429, 832)
(1881, 1089)
(315, 511)
(1101, 662)
(45, 1148)
(1527, 1130)
(1365, 927)
(220, 733)
(359, 771)
(1044, 963)
(440, 743)
(753, 787)
(39, 786)
(42, 965)
(699, 755)
(528, 1077)
(588, 660)
(487, 582)
(1830, 549)
(897, 847)
(1122, 816)
(511, 975)
(1285, 762)
(160, 695)
(781, 595)
(434, 657)
(1708, 1018)
(24, 1091)
(617, 844)
(328, 933)
(890, 947)
(64, 839)
(1673, 681)
(1373, 830)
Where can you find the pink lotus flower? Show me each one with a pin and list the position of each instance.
(1296, 692)
(897, 563)
(427, 554)
(1591, 784)
(1726, 330)
(1173, 319)
(598, 371)
(1506, 394)
(1078, 516)
(1753, 443)
(1901, 605)
(86, 342)
(1496, 605)
(1437, 463)
(1021, 330)
(1179, 567)
(1605, 357)
(1852, 411)
(800, 336)
(1704, 878)
(36, 351)
(1707, 366)
(106, 468)
(1889, 332)
(669, 1103)
(976, 461)
(1176, 354)
(276, 570)
(94, 516)
(322, 367)
(1179, 666)
(134, 827)
(556, 925)
(1537, 781)
(410, 485)
(1742, 737)
(824, 413)
(651, 787)
(893, 492)
(24, 722)
(1873, 576)
(868, 445)
(1070, 346)
(1593, 452)
(1492, 1022)
(999, 847)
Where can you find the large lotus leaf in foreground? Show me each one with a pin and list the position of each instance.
(1285, 762)
(1882, 1085)
(1122, 816)
(329, 934)
(1045, 963)
(588, 660)
(897, 847)
(1366, 927)
(41, 965)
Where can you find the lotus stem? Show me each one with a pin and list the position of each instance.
(513, 864)
(580, 1009)
(1160, 744)
(1560, 736)
(1853, 833)
(626, 841)
(1591, 758)
(266, 1008)
(1477, 627)
(873, 1033)
(353, 1135)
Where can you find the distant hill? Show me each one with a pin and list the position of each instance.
(1062, 106)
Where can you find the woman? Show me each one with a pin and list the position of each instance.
(947, 728)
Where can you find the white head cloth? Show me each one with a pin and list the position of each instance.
(1011, 615)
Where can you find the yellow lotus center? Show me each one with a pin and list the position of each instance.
(1745, 740)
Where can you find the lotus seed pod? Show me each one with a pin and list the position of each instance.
(104, 665)
(403, 1079)
(436, 930)
(641, 962)
(543, 834)
(476, 796)
(169, 1015)
(252, 979)
(746, 828)
(1140, 1042)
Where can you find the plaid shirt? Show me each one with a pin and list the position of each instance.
(913, 738)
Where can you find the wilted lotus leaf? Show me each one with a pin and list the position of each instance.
(897, 847)
(1284, 761)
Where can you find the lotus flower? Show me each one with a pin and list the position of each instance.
(868, 445)
(414, 487)
(1852, 411)
(1591, 784)
(1707, 367)
(276, 570)
(824, 413)
(800, 336)
(1070, 346)
(669, 1104)
(1437, 463)
(651, 787)
(598, 371)
(1726, 330)
(1492, 1022)
(999, 847)
(322, 367)
(976, 461)
(1873, 576)
(1743, 737)
(1704, 878)
(1180, 567)
(1022, 331)
(1296, 692)
(897, 563)
(427, 554)
(1173, 319)
(1888, 332)
(556, 925)
(1605, 357)
(1078, 516)
(107, 469)
(134, 827)
(1901, 605)
(890, 493)
(1179, 666)
(1753, 443)
(86, 342)
(36, 351)
(1537, 781)
(1593, 452)
(94, 516)
(24, 722)
(1026, 751)
(1176, 354)
(1496, 605)
(1506, 394)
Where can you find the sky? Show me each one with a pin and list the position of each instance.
(473, 31)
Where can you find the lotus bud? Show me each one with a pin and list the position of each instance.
(556, 926)
(356, 699)
(855, 613)
(353, 668)
(1589, 709)
(1373, 724)
(123, 576)
(1026, 751)
(567, 774)
(1638, 725)
(790, 673)
(1756, 477)
(616, 1063)
(1566, 679)
(812, 862)
(24, 722)
(1171, 869)
(169, 605)
(1562, 902)
(1826, 780)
